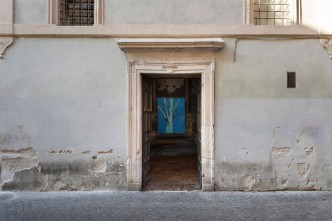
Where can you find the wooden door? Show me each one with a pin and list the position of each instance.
(199, 133)
(146, 130)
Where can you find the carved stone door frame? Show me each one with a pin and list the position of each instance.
(170, 68)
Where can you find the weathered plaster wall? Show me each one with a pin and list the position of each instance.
(63, 115)
(31, 11)
(269, 137)
(173, 12)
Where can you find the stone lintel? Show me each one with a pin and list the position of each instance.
(165, 44)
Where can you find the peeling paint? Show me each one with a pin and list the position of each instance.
(22, 170)
(311, 184)
(281, 151)
(290, 167)
(267, 177)
(82, 176)
(63, 152)
(66, 187)
(29, 151)
(244, 177)
(248, 181)
(14, 161)
(100, 166)
(285, 182)
(303, 169)
(27, 179)
(309, 151)
(106, 152)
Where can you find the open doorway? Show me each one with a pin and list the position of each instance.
(139, 69)
(171, 132)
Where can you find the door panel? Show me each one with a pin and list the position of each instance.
(146, 130)
(199, 135)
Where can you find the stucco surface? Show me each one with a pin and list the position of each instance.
(269, 137)
(66, 99)
(6, 12)
(258, 68)
(31, 11)
(63, 115)
(173, 12)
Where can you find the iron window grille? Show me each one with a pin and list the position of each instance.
(76, 12)
(291, 80)
(272, 12)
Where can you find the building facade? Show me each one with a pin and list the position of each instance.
(79, 97)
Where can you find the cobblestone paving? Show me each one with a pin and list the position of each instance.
(299, 206)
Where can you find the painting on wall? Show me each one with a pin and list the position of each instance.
(171, 115)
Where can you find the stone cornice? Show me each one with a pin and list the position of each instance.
(205, 44)
(160, 31)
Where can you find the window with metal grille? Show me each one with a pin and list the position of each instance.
(272, 12)
(76, 12)
(291, 80)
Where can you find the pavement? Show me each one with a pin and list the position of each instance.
(195, 205)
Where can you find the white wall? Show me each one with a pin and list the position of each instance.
(6, 12)
(173, 12)
(67, 99)
(263, 129)
(31, 11)
(317, 15)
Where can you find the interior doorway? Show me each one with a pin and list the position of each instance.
(171, 132)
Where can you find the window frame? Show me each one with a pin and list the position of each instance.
(295, 13)
(54, 11)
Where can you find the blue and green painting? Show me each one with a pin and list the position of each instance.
(171, 115)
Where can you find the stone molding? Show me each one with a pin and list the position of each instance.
(137, 68)
(5, 42)
(162, 31)
(175, 44)
(327, 43)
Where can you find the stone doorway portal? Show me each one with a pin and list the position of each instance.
(171, 69)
